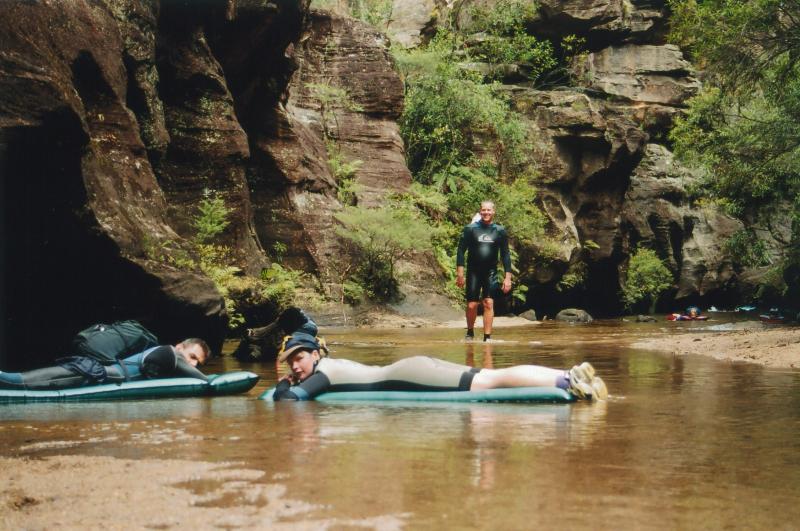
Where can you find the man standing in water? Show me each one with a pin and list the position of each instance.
(482, 241)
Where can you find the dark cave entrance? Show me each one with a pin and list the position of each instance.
(59, 273)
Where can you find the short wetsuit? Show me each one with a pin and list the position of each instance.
(482, 243)
(418, 373)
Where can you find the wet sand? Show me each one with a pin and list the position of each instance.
(777, 347)
(90, 492)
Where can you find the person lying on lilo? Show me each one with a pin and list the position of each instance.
(164, 361)
(313, 373)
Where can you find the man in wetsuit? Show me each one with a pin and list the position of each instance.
(481, 241)
(163, 361)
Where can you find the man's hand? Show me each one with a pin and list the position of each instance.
(506, 285)
(460, 281)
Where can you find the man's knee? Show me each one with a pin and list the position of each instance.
(472, 305)
(488, 304)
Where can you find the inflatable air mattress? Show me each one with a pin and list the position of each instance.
(679, 317)
(516, 394)
(230, 383)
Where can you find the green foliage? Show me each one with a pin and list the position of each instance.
(212, 219)
(378, 239)
(276, 285)
(746, 249)
(447, 114)
(344, 172)
(279, 285)
(507, 40)
(744, 129)
(279, 250)
(374, 12)
(331, 99)
(516, 205)
(214, 261)
(573, 278)
(353, 292)
(646, 279)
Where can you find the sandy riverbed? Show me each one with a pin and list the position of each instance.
(116, 493)
(771, 347)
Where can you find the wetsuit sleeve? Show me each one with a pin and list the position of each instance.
(184, 368)
(462, 246)
(296, 320)
(505, 255)
(314, 385)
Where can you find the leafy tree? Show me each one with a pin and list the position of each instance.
(447, 115)
(646, 279)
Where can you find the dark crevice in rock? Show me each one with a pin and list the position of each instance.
(62, 273)
(676, 242)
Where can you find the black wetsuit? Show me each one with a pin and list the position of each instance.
(418, 373)
(482, 243)
(77, 371)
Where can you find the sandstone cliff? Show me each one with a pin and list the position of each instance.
(117, 116)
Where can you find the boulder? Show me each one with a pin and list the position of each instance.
(642, 73)
(573, 315)
(530, 315)
(411, 20)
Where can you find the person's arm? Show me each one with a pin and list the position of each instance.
(296, 320)
(505, 256)
(314, 385)
(185, 369)
(460, 251)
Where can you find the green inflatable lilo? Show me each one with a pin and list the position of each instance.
(515, 394)
(230, 383)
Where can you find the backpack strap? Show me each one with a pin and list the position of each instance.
(119, 357)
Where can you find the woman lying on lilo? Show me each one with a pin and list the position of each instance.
(313, 374)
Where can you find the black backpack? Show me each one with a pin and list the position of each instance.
(108, 343)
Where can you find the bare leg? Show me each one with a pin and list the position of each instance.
(517, 376)
(488, 315)
(472, 314)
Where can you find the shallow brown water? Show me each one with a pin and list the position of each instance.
(683, 442)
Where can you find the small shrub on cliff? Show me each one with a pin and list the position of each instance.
(276, 285)
(331, 100)
(212, 219)
(378, 239)
(646, 279)
(344, 172)
(507, 40)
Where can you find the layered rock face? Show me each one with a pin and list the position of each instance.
(342, 54)
(119, 116)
